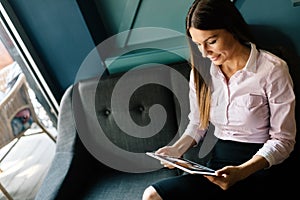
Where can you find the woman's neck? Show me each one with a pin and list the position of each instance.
(237, 62)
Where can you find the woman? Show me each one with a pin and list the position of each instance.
(248, 97)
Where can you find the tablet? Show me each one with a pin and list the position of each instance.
(184, 164)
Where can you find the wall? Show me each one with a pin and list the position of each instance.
(59, 34)
(280, 14)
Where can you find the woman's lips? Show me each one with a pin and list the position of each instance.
(214, 58)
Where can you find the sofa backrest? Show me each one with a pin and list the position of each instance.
(134, 112)
(129, 112)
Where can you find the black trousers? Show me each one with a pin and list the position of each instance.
(188, 186)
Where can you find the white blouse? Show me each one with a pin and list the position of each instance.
(257, 105)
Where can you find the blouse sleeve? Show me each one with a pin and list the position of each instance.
(282, 115)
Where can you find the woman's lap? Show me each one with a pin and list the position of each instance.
(185, 186)
(190, 186)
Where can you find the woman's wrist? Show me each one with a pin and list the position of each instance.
(184, 144)
(253, 165)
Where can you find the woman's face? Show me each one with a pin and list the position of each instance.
(217, 45)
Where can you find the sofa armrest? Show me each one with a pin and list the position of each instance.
(64, 150)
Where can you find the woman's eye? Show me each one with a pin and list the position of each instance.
(212, 42)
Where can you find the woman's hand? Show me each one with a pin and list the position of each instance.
(177, 149)
(226, 177)
(229, 175)
(169, 151)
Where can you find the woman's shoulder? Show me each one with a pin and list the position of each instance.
(269, 59)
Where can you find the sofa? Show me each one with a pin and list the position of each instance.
(76, 173)
(104, 132)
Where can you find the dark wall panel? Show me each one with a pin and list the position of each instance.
(59, 34)
(279, 14)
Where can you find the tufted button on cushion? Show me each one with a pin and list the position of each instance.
(141, 108)
(107, 112)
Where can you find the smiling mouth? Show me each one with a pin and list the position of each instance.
(214, 58)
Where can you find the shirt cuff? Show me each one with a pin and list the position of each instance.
(195, 132)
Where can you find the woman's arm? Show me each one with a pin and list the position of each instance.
(179, 147)
(282, 131)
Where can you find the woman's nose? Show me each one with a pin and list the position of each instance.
(203, 50)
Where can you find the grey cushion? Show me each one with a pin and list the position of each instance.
(140, 103)
(113, 185)
(124, 186)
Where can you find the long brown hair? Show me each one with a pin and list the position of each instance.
(210, 15)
